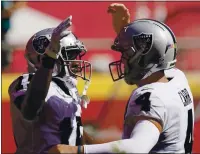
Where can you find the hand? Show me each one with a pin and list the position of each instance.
(120, 16)
(62, 148)
(58, 33)
(85, 100)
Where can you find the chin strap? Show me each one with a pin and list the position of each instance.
(71, 83)
(85, 100)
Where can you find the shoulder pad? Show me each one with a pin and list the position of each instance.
(20, 84)
(145, 102)
(143, 99)
(142, 91)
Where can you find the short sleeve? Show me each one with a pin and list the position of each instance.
(145, 103)
(19, 87)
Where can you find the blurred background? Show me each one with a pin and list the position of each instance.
(92, 24)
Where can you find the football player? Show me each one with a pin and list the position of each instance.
(45, 103)
(159, 116)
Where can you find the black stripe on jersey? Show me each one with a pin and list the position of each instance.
(65, 130)
(79, 138)
(20, 85)
(61, 85)
(30, 77)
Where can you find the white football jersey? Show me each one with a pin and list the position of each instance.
(171, 104)
(58, 121)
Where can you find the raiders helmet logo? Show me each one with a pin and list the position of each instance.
(143, 42)
(40, 44)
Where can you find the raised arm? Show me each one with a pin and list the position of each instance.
(39, 85)
(88, 139)
(37, 91)
(120, 16)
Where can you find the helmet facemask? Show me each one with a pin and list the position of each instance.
(74, 65)
(116, 70)
(124, 67)
(131, 66)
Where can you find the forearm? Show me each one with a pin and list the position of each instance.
(39, 86)
(88, 139)
(141, 141)
(97, 140)
(121, 146)
(37, 91)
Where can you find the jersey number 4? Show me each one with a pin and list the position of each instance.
(144, 101)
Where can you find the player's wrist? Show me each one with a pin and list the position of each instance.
(51, 52)
(80, 149)
(48, 62)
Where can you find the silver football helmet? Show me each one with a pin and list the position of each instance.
(147, 46)
(69, 58)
